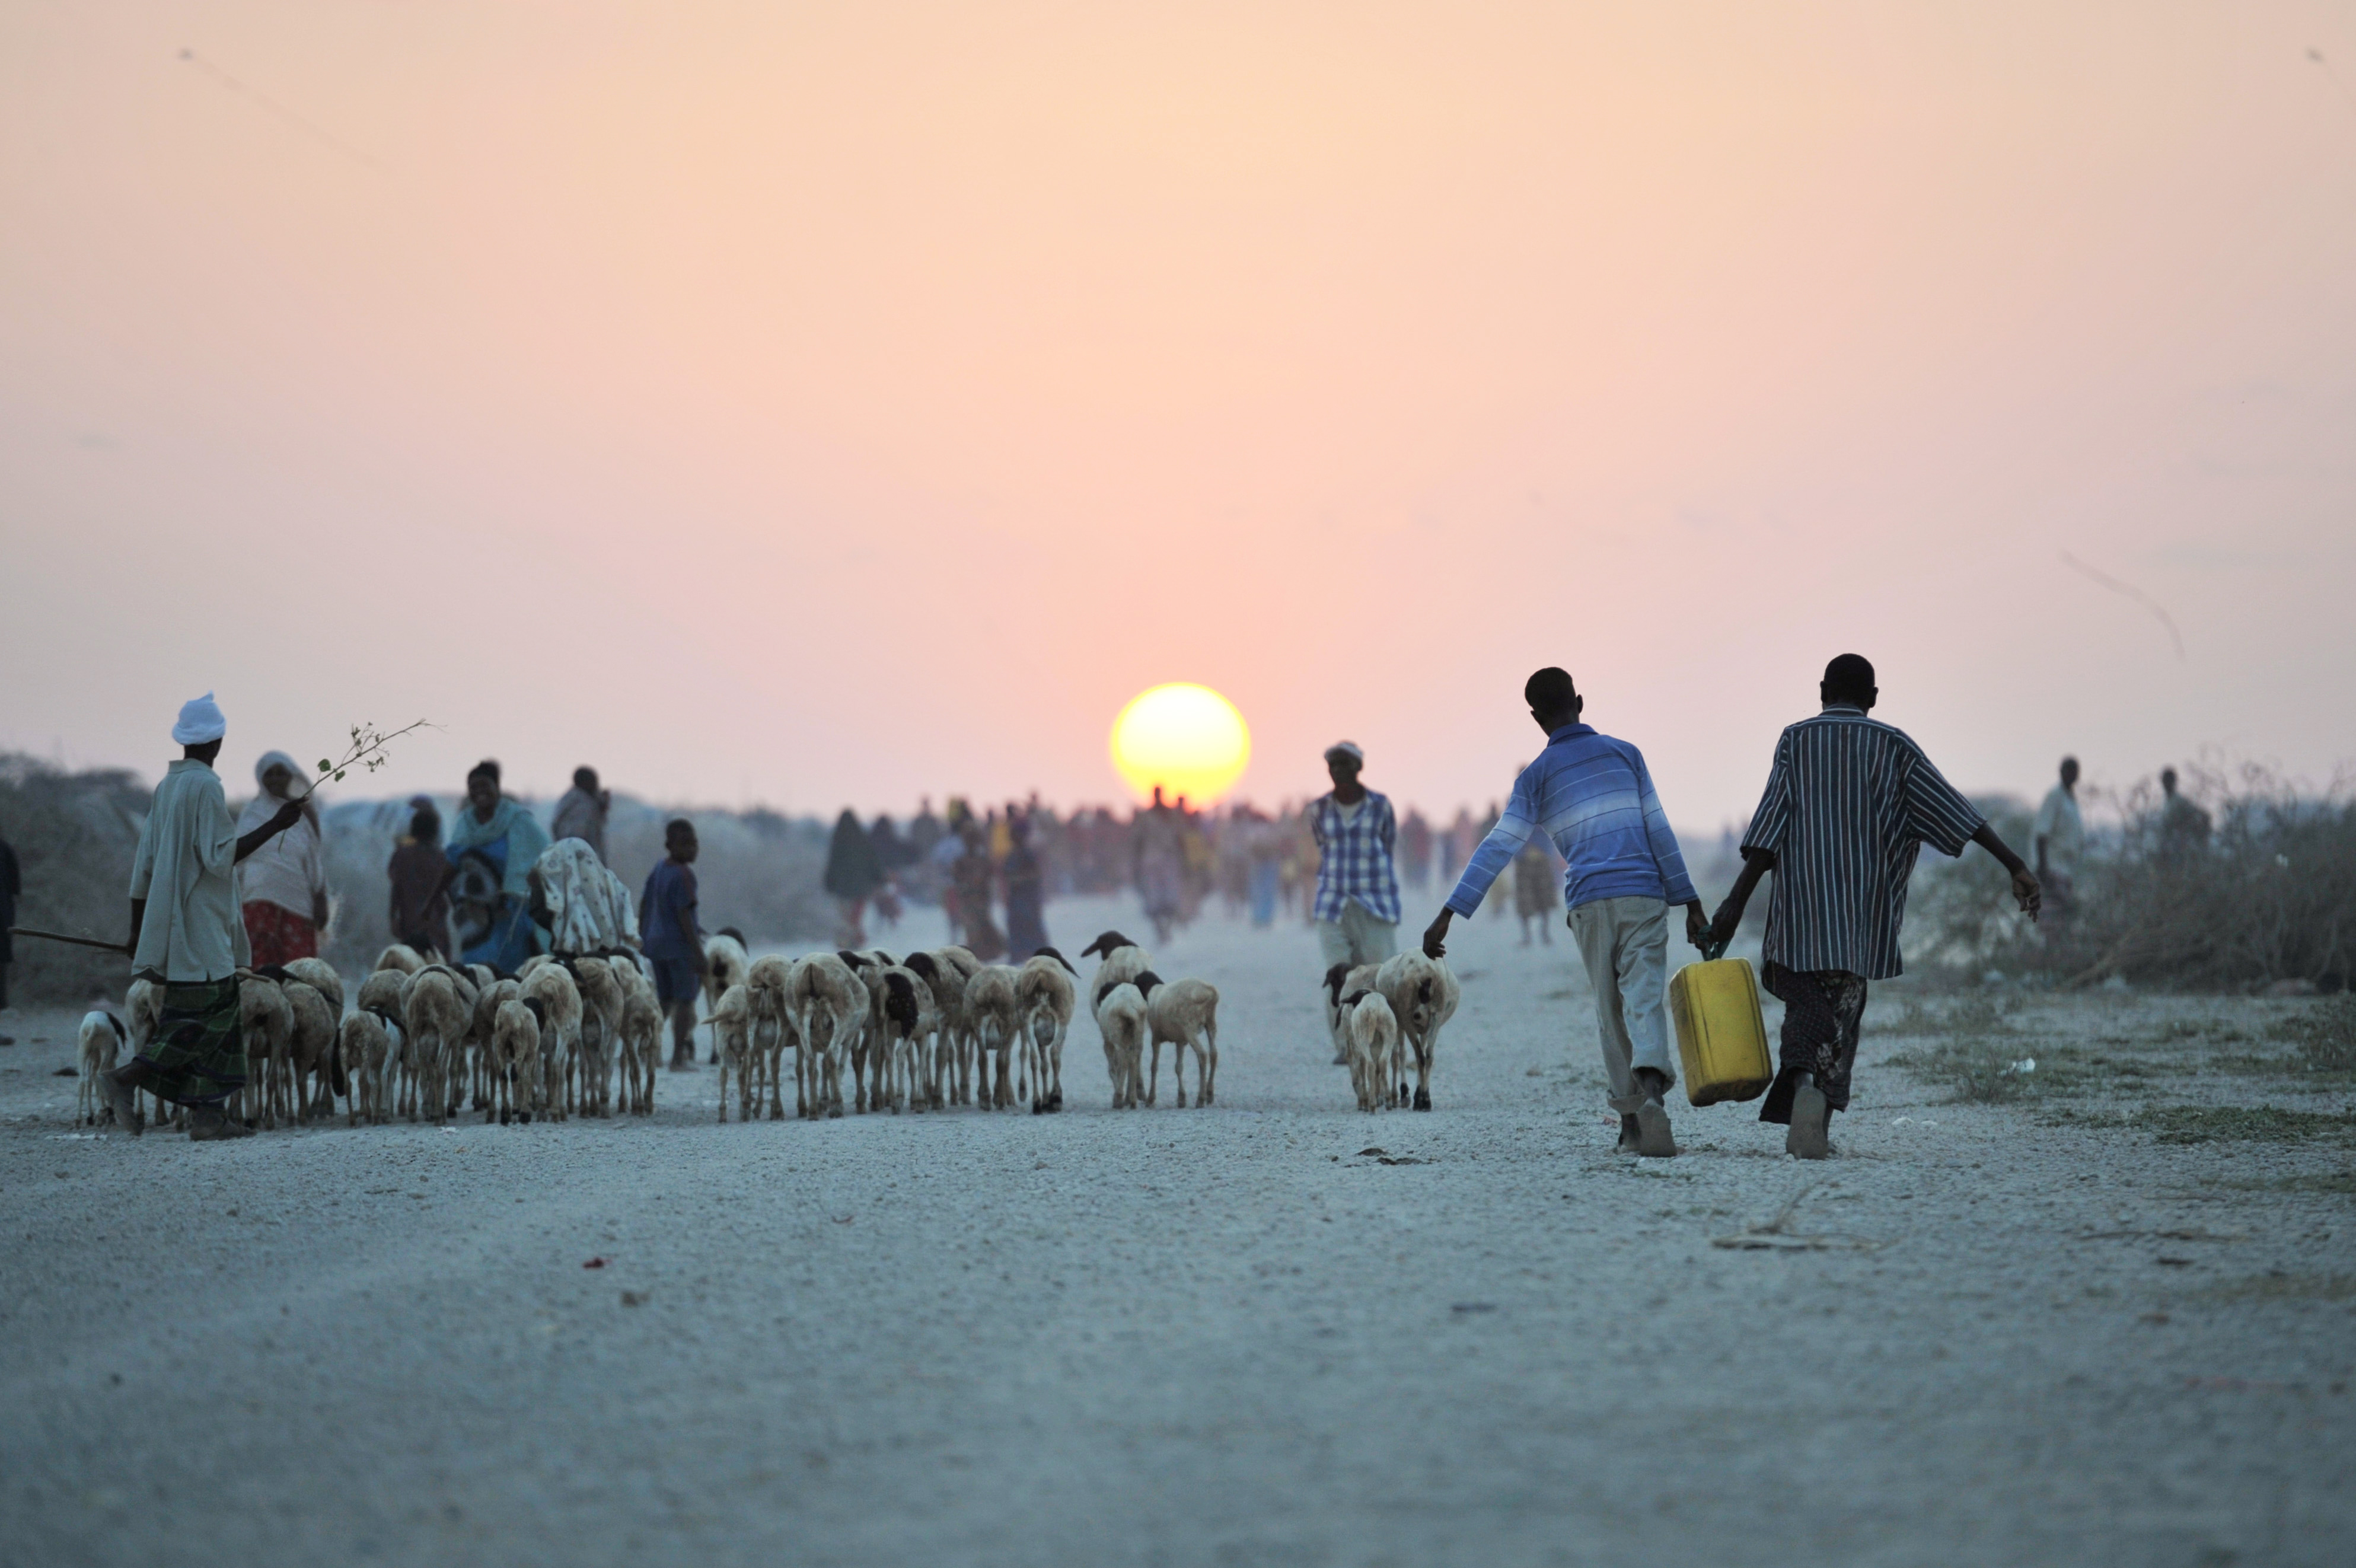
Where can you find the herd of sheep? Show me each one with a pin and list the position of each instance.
(424, 1040)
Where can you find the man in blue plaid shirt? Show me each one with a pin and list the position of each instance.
(1358, 908)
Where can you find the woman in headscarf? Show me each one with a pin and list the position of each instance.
(282, 887)
(854, 872)
(972, 873)
(493, 844)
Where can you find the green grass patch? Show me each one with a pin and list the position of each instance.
(2241, 1124)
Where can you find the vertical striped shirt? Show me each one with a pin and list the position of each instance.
(1354, 856)
(1849, 804)
(1591, 795)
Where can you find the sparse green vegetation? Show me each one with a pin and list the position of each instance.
(2243, 1124)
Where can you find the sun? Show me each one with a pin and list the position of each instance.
(1184, 737)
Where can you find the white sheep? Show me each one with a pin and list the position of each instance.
(602, 997)
(768, 985)
(265, 1022)
(1373, 1030)
(995, 1019)
(1122, 1020)
(908, 1021)
(143, 1014)
(310, 1048)
(104, 1036)
(725, 952)
(369, 1045)
(517, 1080)
(559, 1033)
(321, 976)
(1423, 994)
(1340, 980)
(1047, 992)
(642, 1020)
(947, 981)
(400, 958)
(1185, 1014)
(732, 1043)
(438, 1007)
(830, 1008)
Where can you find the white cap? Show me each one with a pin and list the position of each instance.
(1348, 748)
(200, 721)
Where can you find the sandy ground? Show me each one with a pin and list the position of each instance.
(1222, 1336)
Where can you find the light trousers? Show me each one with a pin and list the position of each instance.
(1356, 937)
(1625, 942)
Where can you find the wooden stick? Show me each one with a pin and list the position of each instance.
(123, 947)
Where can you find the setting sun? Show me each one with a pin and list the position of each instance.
(1184, 737)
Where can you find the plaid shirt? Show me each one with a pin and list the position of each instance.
(1355, 857)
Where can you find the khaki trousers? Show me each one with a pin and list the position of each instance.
(1625, 942)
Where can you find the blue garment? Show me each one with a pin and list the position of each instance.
(667, 927)
(1354, 863)
(512, 937)
(513, 837)
(1591, 795)
(1263, 893)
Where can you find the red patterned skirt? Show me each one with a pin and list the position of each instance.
(278, 934)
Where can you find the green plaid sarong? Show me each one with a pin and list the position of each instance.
(199, 1051)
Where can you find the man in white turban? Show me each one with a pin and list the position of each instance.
(186, 936)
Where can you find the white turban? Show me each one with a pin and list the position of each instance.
(200, 721)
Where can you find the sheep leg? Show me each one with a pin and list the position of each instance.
(1205, 1079)
(1154, 1071)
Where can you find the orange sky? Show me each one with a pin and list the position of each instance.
(842, 405)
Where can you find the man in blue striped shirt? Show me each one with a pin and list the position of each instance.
(1850, 802)
(1592, 796)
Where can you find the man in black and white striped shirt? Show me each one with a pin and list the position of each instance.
(1850, 802)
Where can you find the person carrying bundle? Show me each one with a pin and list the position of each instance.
(1592, 796)
(1850, 802)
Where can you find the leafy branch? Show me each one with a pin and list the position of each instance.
(368, 751)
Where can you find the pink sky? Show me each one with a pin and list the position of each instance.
(839, 407)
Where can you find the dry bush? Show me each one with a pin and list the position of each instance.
(2270, 897)
(2325, 1034)
(73, 834)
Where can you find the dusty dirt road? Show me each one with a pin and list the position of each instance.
(1984, 1335)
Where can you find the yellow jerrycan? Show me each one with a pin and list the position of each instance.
(1721, 1035)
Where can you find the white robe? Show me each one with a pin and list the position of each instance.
(184, 868)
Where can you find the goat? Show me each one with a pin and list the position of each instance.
(1045, 993)
(104, 1036)
(515, 1057)
(143, 1012)
(642, 1022)
(1122, 1019)
(1374, 1035)
(828, 1002)
(1185, 1014)
(400, 958)
(1423, 994)
(724, 952)
(369, 1045)
(560, 1034)
(732, 1043)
